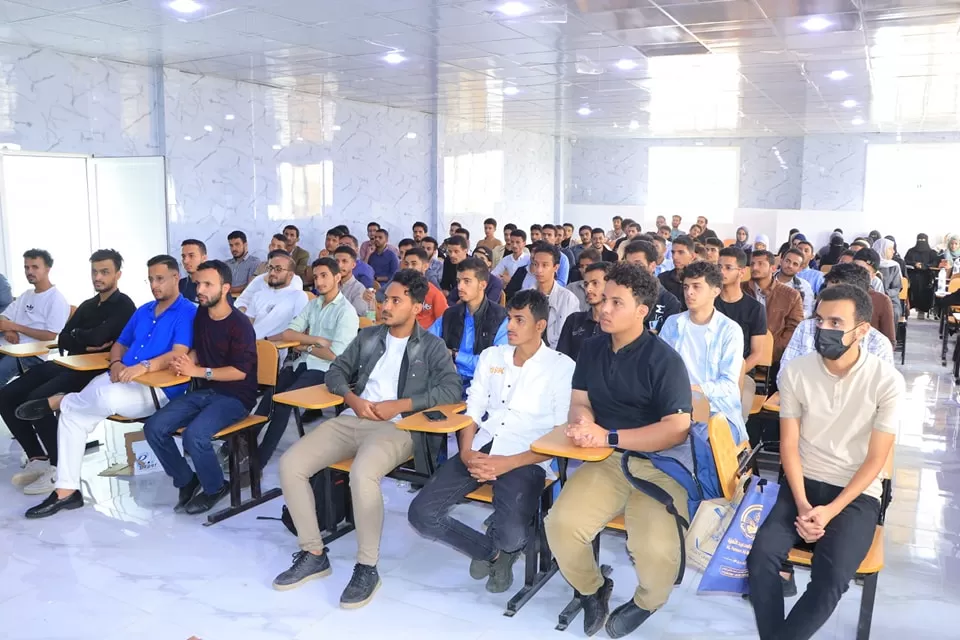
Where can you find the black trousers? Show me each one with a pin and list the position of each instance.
(47, 379)
(836, 557)
(288, 380)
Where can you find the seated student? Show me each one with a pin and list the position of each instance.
(277, 243)
(38, 314)
(472, 324)
(331, 242)
(710, 343)
(457, 248)
(683, 255)
(324, 328)
(391, 370)
(834, 441)
(494, 288)
(405, 245)
(223, 363)
(503, 248)
(632, 229)
(6, 295)
(578, 286)
(383, 261)
(644, 255)
(804, 338)
(846, 257)
(434, 303)
(536, 235)
(599, 238)
(519, 393)
(352, 289)
(870, 260)
(192, 253)
(516, 257)
(791, 262)
(586, 240)
(435, 270)
(301, 257)
(242, 264)
(631, 391)
(747, 313)
(581, 325)
(361, 271)
(563, 262)
(155, 334)
(883, 315)
(664, 252)
(272, 308)
(92, 329)
(782, 303)
(712, 247)
(544, 262)
(810, 272)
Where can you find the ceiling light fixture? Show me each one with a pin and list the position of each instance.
(393, 57)
(510, 91)
(188, 138)
(513, 9)
(229, 116)
(185, 6)
(626, 64)
(335, 127)
(838, 74)
(277, 147)
(584, 111)
(849, 104)
(857, 121)
(634, 124)
(208, 128)
(411, 136)
(816, 23)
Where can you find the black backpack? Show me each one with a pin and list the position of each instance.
(320, 487)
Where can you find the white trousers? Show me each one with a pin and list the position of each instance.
(81, 412)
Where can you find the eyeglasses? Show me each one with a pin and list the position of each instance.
(273, 269)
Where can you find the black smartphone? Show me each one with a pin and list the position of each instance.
(435, 416)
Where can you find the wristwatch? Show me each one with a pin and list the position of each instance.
(208, 373)
(613, 438)
(310, 349)
(146, 364)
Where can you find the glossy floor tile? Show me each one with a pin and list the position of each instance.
(126, 566)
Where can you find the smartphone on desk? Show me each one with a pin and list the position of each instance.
(435, 416)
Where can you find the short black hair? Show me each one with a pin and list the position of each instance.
(768, 255)
(806, 243)
(849, 252)
(373, 224)
(279, 236)
(294, 227)
(414, 283)
(658, 239)
(531, 299)
(335, 232)
(597, 230)
(644, 287)
(327, 262)
(548, 227)
(869, 256)
(280, 253)
(851, 273)
(422, 225)
(347, 250)
(455, 224)
(706, 270)
(599, 266)
(344, 229)
(567, 224)
(234, 235)
(42, 254)
(429, 239)
(713, 242)
(685, 241)
(618, 218)
(417, 252)
(350, 237)
(735, 252)
(478, 266)
(535, 227)
(641, 246)
(634, 224)
(705, 219)
(406, 242)
(490, 221)
(585, 226)
(386, 234)
(457, 241)
(546, 247)
(197, 243)
(226, 276)
(170, 262)
(519, 233)
(590, 254)
(664, 227)
(794, 251)
(509, 227)
(838, 230)
(862, 305)
(107, 254)
(462, 231)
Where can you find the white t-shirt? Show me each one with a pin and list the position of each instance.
(511, 264)
(47, 311)
(693, 349)
(259, 284)
(273, 309)
(385, 377)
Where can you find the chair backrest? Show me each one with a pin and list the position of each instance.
(766, 351)
(310, 295)
(954, 285)
(701, 407)
(268, 363)
(365, 322)
(904, 288)
(725, 452)
(728, 242)
(826, 268)
(503, 298)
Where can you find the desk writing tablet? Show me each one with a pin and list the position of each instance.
(84, 362)
(25, 349)
(454, 422)
(315, 397)
(162, 379)
(285, 344)
(558, 444)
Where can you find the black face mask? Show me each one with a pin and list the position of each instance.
(829, 342)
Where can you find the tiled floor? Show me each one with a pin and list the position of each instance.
(126, 566)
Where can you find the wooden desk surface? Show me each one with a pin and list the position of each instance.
(285, 344)
(556, 443)
(85, 362)
(315, 397)
(25, 350)
(454, 422)
(162, 379)
(773, 402)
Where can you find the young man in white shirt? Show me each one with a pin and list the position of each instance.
(518, 256)
(544, 262)
(351, 288)
(38, 314)
(519, 393)
(271, 309)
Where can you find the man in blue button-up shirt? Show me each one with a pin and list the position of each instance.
(157, 332)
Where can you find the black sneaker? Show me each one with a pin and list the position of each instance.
(625, 619)
(501, 572)
(306, 567)
(789, 585)
(596, 608)
(33, 410)
(186, 493)
(362, 586)
(480, 569)
(52, 505)
(202, 502)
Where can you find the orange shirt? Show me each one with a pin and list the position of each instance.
(433, 307)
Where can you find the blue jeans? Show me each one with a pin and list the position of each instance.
(9, 368)
(288, 380)
(203, 413)
(516, 498)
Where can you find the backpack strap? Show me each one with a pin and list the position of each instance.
(663, 497)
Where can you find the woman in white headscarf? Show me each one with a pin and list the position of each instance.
(952, 251)
(761, 242)
(889, 273)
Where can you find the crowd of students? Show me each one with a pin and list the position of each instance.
(609, 334)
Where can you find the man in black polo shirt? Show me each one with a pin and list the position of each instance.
(683, 255)
(630, 391)
(644, 255)
(582, 325)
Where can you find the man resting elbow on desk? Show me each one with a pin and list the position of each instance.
(520, 392)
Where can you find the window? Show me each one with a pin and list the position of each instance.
(693, 181)
(305, 191)
(912, 177)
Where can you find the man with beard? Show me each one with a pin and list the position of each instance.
(585, 324)
(243, 265)
(223, 362)
(272, 308)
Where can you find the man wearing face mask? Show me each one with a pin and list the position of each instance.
(839, 414)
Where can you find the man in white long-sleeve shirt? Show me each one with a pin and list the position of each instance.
(272, 308)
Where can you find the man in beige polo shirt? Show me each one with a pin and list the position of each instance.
(838, 421)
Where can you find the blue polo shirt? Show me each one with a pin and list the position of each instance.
(364, 274)
(466, 359)
(384, 264)
(147, 335)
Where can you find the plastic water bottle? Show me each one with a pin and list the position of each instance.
(372, 312)
(942, 280)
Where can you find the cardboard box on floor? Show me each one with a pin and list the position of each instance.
(141, 460)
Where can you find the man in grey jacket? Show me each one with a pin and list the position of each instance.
(389, 371)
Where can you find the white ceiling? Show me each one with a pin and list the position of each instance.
(703, 68)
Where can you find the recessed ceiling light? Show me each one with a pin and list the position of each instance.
(849, 104)
(299, 139)
(816, 23)
(699, 144)
(634, 124)
(584, 111)
(838, 74)
(277, 147)
(208, 128)
(188, 138)
(510, 91)
(625, 64)
(335, 127)
(411, 135)
(229, 116)
(513, 9)
(857, 121)
(185, 6)
(393, 57)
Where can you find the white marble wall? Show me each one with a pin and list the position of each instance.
(607, 172)
(834, 172)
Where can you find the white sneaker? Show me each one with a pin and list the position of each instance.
(31, 471)
(44, 484)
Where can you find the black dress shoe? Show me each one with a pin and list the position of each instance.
(625, 619)
(596, 607)
(33, 410)
(202, 502)
(53, 504)
(186, 493)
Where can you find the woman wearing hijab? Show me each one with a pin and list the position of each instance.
(761, 242)
(952, 251)
(896, 255)
(890, 274)
(834, 250)
(922, 262)
(873, 236)
(789, 243)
